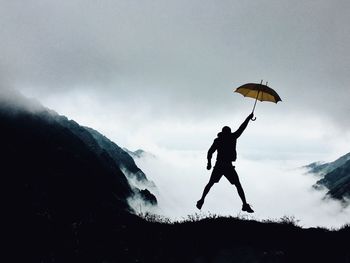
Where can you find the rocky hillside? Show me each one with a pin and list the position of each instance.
(335, 177)
(324, 168)
(121, 157)
(338, 182)
(53, 159)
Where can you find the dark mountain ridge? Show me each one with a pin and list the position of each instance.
(323, 168)
(338, 182)
(51, 162)
(335, 177)
(42, 146)
(139, 153)
(120, 157)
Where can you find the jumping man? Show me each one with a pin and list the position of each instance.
(225, 145)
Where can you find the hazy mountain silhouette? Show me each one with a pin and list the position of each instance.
(335, 177)
(66, 201)
(338, 182)
(139, 153)
(121, 157)
(324, 168)
(52, 156)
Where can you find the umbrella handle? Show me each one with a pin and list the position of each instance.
(256, 99)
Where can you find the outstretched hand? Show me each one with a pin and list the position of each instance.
(251, 116)
(208, 166)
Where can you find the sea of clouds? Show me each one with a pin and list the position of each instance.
(274, 188)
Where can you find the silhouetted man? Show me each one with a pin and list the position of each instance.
(225, 145)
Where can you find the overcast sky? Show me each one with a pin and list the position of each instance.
(135, 68)
(166, 60)
(160, 74)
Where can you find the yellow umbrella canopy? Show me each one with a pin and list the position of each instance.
(258, 92)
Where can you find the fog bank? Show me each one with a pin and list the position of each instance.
(274, 188)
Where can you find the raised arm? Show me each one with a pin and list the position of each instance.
(243, 125)
(211, 150)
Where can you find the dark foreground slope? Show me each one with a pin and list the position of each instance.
(128, 238)
(227, 240)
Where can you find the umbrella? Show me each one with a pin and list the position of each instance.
(258, 92)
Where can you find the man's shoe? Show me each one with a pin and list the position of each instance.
(199, 204)
(247, 208)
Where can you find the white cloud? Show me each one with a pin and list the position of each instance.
(274, 188)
